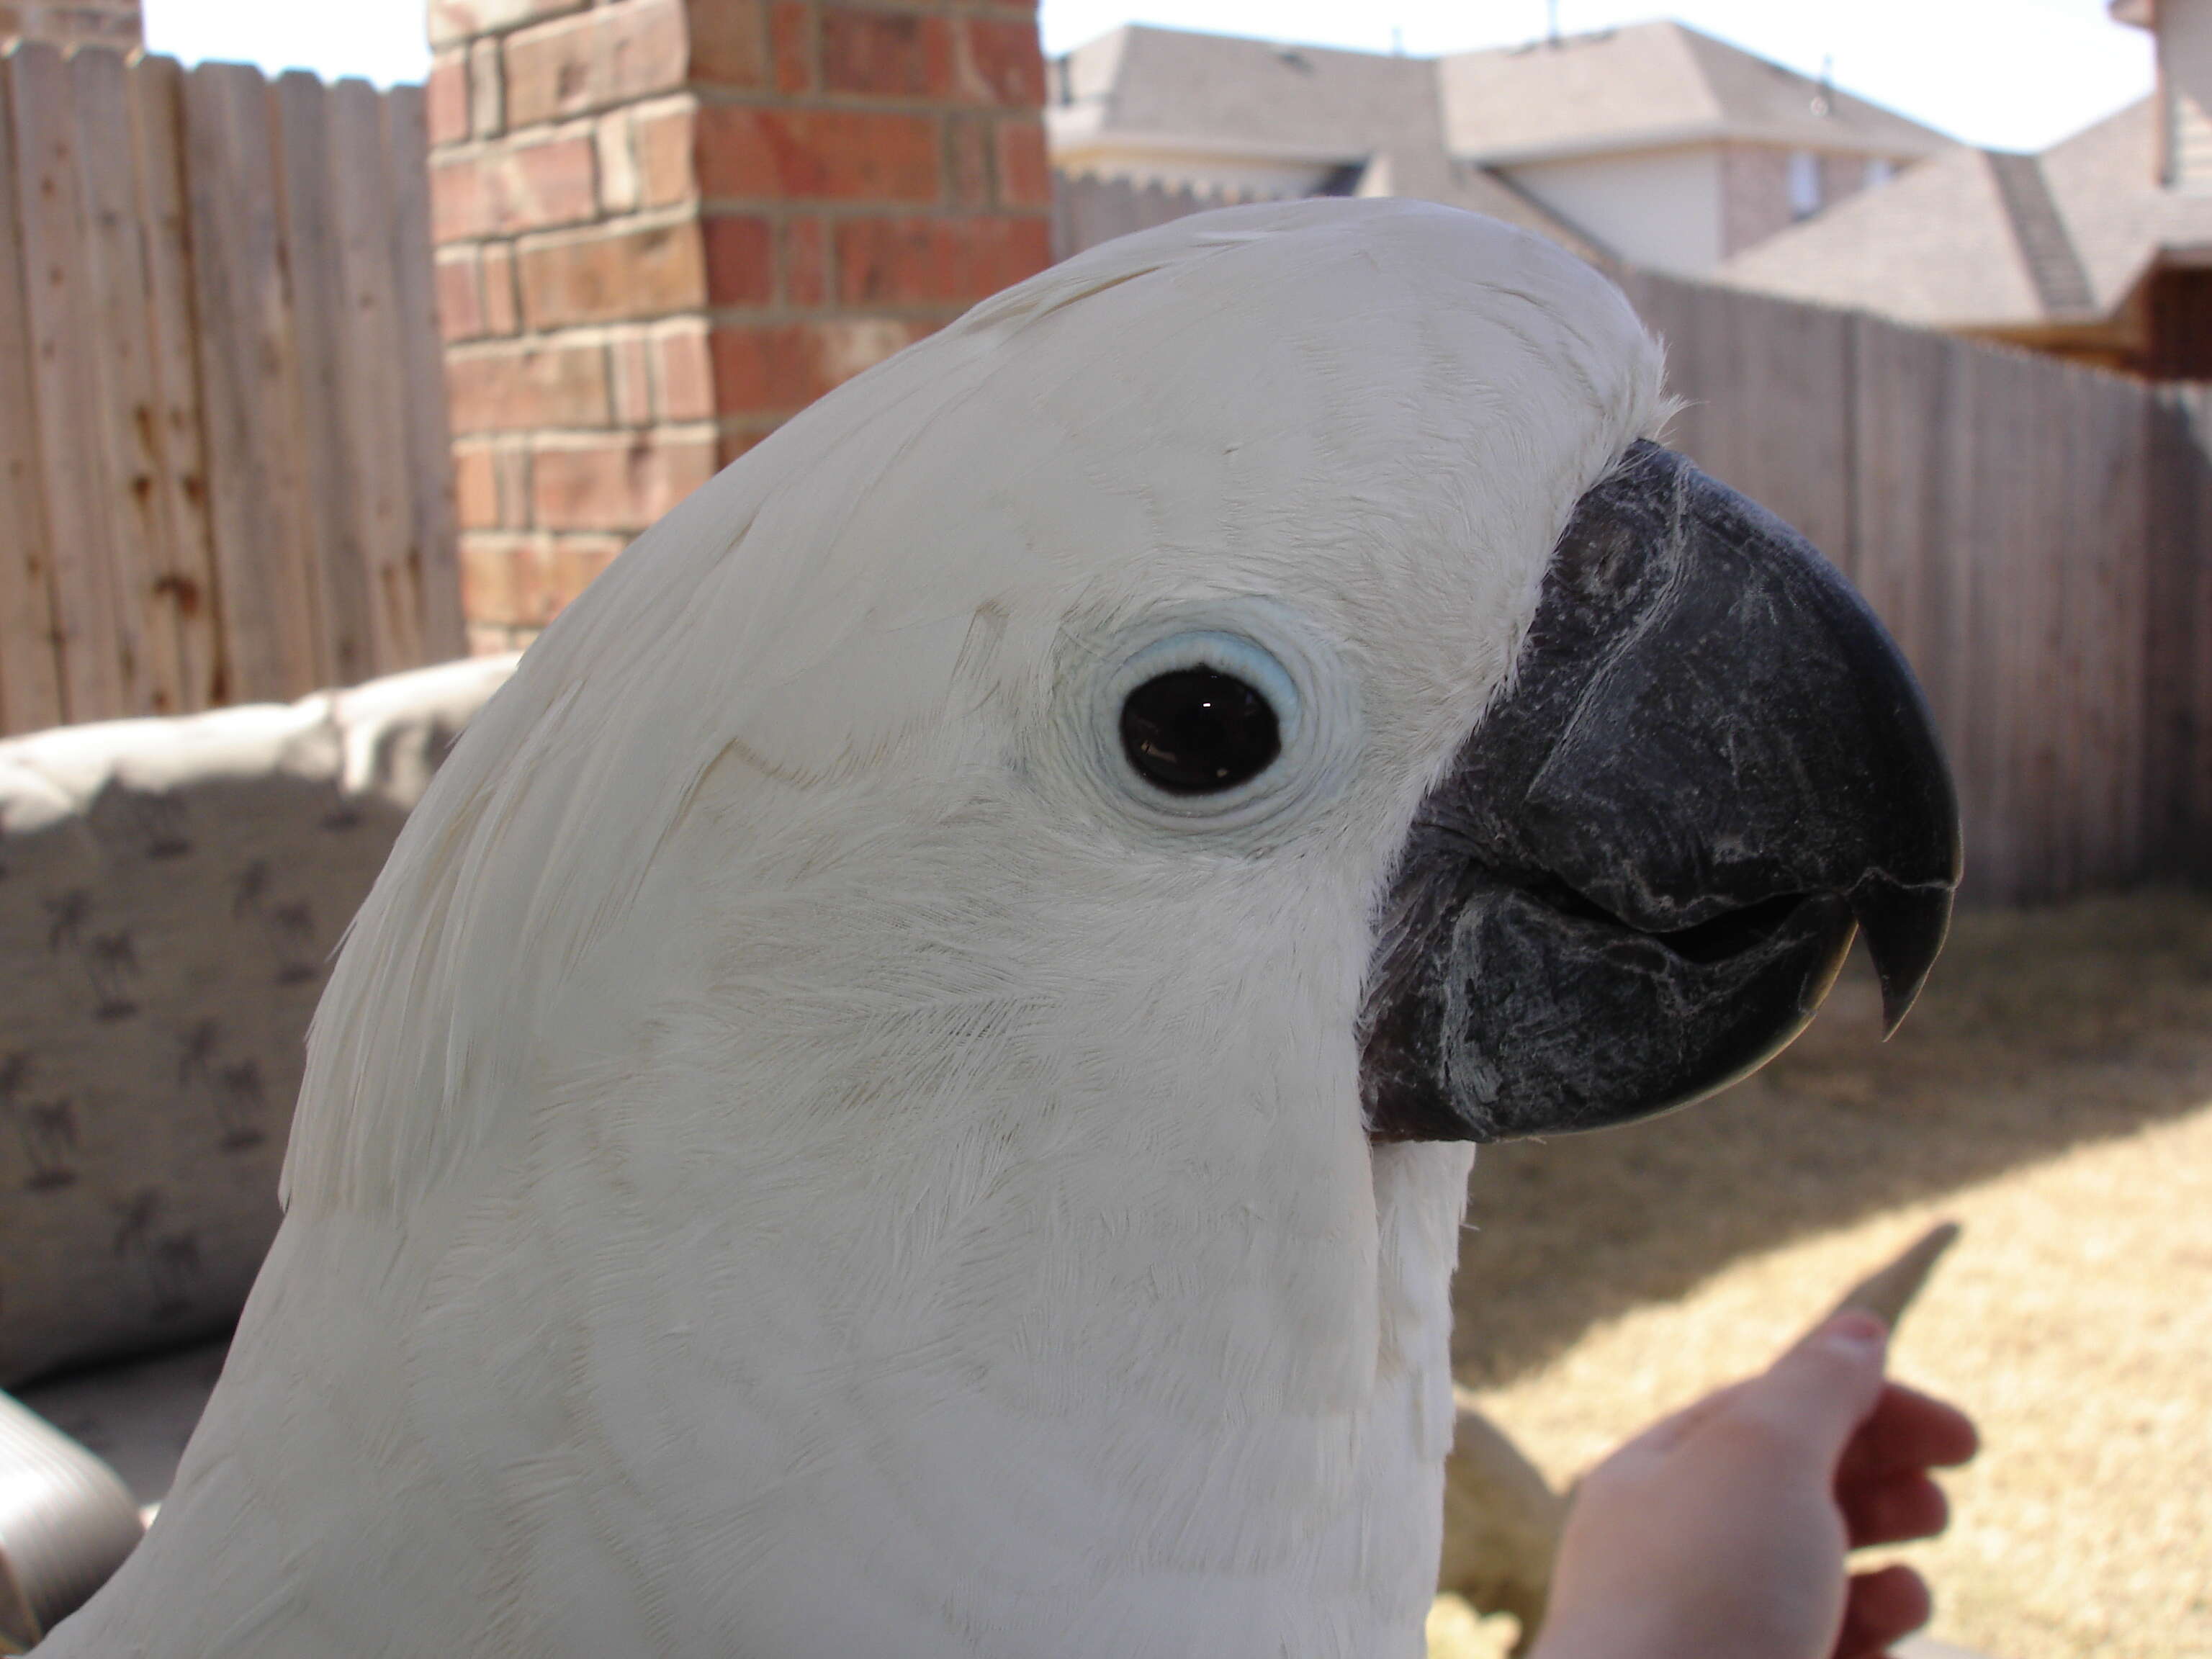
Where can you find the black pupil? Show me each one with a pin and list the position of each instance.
(1196, 732)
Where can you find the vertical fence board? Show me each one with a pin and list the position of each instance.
(118, 301)
(375, 414)
(30, 669)
(432, 561)
(225, 472)
(99, 663)
(343, 651)
(2193, 835)
(2178, 668)
(186, 583)
(1725, 350)
(249, 385)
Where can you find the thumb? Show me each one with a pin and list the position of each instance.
(1827, 1385)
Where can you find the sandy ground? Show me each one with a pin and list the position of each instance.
(2053, 1092)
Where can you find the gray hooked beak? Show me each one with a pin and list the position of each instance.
(1643, 869)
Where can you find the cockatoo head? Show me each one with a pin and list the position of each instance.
(969, 955)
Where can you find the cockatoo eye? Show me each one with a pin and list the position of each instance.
(1228, 718)
(1198, 730)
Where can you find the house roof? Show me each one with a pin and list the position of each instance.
(1651, 85)
(1165, 88)
(1428, 175)
(1376, 118)
(1979, 238)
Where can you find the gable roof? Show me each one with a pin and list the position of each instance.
(1173, 87)
(1978, 239)
(1649, 85)
(1376, 119)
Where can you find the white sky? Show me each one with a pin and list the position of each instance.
(2011, 74)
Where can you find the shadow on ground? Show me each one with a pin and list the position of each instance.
(2039, 1031)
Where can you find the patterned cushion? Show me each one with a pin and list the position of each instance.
(171, 891)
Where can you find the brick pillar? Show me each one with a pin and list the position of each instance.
(67, 23)
(665, 225)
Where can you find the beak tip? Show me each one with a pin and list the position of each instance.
(1904, 927)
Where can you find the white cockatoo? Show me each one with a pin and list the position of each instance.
(909, 1087)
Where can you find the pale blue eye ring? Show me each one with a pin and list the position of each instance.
(1265, 648)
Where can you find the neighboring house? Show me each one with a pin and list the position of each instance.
(68, 23)
(2099, 249)
(1654, 144)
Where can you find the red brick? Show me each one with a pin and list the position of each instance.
(999, 62)
(476, 488)
(491, 485)
(622, 186)
(791, 30)
(610, 276)
(903, 261)
(805, 262)
(885, 54)
(731, 442)
(774, 366)
(526, 187)
(525, 581)
(664, 144)
(510, 466)
(620, 484)
(967, 162)
(729, 43)
(487, 578)
(460, 295)
(1024, 171)
(683, 374)
(609, 56)
(446, 99)
(487, 90)
(628, 360)
(505, 389)
(570, 564)
(501, 311)
(783, 366)
(816, 155)
(456, 20)
(740, 260)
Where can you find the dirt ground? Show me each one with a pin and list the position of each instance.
(2053, 1091)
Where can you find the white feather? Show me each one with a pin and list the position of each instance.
(787, 1166)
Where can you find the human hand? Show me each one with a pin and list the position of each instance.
(1722, 1532)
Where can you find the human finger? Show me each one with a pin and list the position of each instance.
(1819, 1392)
(1909, 1430)
(1880, 1608)
(1893, 1509)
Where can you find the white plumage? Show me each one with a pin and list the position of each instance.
(796, 1161)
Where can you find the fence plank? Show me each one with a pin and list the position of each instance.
(186, 584)
(2193, 683)
(345, 654)
(2178, 667)
(99, 663)
(433, 557)
(1914, 564)
(1725, 350)
(30, 668)
(375, 413)
(249, 385)
(118, 306)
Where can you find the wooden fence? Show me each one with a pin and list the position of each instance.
(224, 466)
(1086, 211)
(2037, 536)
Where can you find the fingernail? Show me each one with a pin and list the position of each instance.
(1858, 1329)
